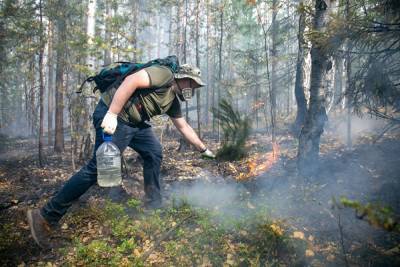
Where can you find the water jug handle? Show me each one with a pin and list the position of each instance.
(107, 137)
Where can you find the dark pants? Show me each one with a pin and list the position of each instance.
(142, 140)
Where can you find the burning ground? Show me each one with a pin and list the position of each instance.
(257, 211)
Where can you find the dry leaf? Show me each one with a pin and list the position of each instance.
(309, 253)
(276, 229)
(298, 234)
(136, 252)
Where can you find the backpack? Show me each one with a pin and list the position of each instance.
(110, 75)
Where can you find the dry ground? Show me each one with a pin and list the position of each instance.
(304, 205)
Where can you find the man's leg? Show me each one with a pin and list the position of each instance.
(80, 182)
(146, 144)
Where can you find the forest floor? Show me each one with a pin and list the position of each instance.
(216, 213)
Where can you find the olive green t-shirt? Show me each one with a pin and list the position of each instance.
(158, 99)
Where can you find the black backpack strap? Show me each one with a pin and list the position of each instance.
(119, 62)
(89, 79)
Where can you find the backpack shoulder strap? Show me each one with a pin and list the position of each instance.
(89, 79)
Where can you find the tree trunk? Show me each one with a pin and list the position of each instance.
(185, 53)
(198, 107)
(274, 62)
(207, 117)
(91, 63)
(170, 34)
(50, 85)
(338, 79)
(2, 89)
(41, 88)
(221, 38)
(183, 144)
(309, 139)
(61, 47)
(257, 89)
(107, 37)
(299, 83)
(288, 71)
(266, 56)
(178, 39)
(348, 82)
(32, 97)
(134, 30)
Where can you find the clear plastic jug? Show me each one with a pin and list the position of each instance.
(108, 159)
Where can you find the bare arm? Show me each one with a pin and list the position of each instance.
(188, 133)
(134, 81)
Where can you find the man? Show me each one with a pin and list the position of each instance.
(123, 112)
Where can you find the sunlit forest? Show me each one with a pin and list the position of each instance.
(299, 117)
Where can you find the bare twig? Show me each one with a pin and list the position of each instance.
(341, 233)
(342, 239)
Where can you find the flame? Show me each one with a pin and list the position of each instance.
(260, 163)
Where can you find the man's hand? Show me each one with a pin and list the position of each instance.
(208, 154)
(109, 123)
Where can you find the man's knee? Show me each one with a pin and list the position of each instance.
(153, 156)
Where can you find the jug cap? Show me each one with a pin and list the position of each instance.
(107, 137)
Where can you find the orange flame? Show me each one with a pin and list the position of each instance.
(257, 164)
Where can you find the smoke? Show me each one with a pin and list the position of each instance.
(307, 204)
(207, 191)
(359, 127)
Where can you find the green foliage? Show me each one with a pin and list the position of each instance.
(236, 130)
(181, 235)
(374, 214)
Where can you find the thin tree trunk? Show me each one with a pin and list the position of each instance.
(185, 52)
(257, 93)
(134, 31)
(61, 47)
(288, 72)
(266, 55)
(274, 62)
(41, 89)
(309, 139)
(2, 89)
(198, 65)
(183, 144)
(32, 95)
(107, 37)
(338, 79)
(170, 35)
(348, 82)
(299, 83)
(207, 117)
(221, 38)
(178, 29)
(50, 84)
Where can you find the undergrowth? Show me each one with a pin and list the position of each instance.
(236, 130)
(181, 235)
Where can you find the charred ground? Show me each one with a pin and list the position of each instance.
(301, 211)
